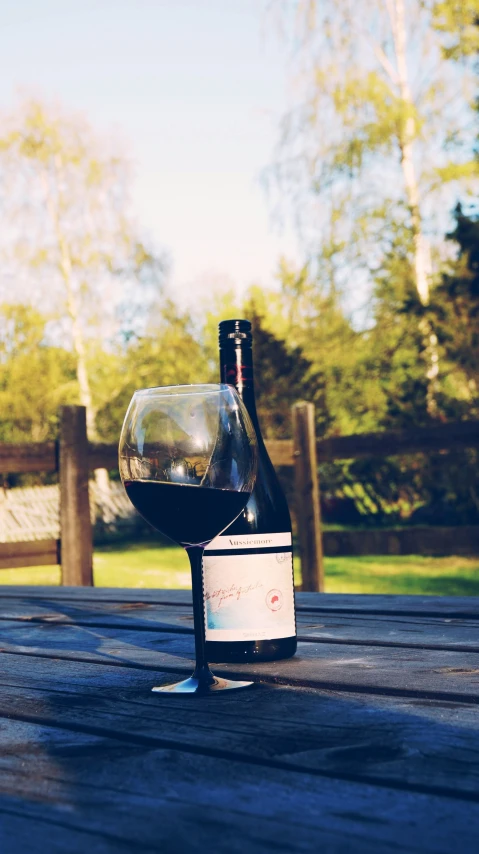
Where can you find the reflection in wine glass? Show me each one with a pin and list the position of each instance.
(188, 463)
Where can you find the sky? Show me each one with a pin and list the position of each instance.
(194, 91)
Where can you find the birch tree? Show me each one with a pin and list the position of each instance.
(383, 135)
(68, 243)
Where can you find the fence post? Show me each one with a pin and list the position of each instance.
(75, 524)
(307, 497)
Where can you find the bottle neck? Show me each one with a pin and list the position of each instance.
(236, 368)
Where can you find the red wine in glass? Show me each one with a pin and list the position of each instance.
(188, 459)
(181, 513)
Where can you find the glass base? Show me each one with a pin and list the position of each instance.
(194, 685)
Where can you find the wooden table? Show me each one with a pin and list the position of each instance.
(367, 741)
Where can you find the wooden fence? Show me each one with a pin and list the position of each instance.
(73, 458)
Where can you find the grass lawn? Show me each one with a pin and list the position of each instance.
(149, 564)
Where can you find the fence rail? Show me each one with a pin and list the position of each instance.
(31, 553)
(19, 458)
(72, 456)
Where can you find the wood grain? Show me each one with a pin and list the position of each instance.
(438, 437)
(102, 456)
(412, 672)
(21, 457)
(111, 796)
(75, 524)
(353, 745)
(389, 743)
(337, 603)
(31, 553)
(281, 452)
(354, 629)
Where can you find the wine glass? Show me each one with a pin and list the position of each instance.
(188, 464)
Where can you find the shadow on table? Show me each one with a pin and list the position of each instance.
(74, 630)
(298, 766)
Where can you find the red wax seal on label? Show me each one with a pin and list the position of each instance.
(274, 600)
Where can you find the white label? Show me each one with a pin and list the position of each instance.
(249, 596)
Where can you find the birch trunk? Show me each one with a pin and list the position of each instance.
(422, 264)
(65, 268)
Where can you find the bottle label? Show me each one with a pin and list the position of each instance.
(248, 587)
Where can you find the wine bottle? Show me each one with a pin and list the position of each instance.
(248, 569)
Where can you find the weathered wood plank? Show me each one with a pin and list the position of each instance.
(400, 744)
(41, 456)
(339, 603)
(31, 553)
(97, 594)
(308, 511)
(75, 524)
(393, 630)
(444, 606)
(280, 452)
(18, 458)
(102, 456)
(410, 672)
(368, 771)
(437, 437)
(354, 629)
(406, 541)
(108, 798)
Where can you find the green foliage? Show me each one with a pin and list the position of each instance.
(373, 118)
(35, 377)
(341, 379)
(282, 377)
(218, 306)
(283, 374)
(457, 21)
(455, 313)
(396, 343)
(390, 372)
(167, 354)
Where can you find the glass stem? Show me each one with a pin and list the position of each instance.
(202, 671)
